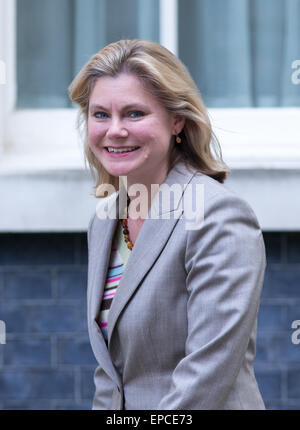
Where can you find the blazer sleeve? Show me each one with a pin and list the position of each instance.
(225, 264)
(103, 384)
(104, 390)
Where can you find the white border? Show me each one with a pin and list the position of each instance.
(8, 44)
(2, 86)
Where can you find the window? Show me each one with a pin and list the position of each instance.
(240, 53)
(55, 38)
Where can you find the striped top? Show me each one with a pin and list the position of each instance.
(118, 259)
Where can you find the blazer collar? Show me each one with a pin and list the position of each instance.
(152, 238)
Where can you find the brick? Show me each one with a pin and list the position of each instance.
(56, 318)
(75, 351)
(273, 247)
(36, 384)
(78, 405)
(26, 284)
(83, 249)
(288, 405)
(292, 314)
(270, 318)
(1, 285)
(87, 384)
(28, 352)
(271, 404)
(29, 404)
(293, 247)
(37, 249)
(72, 283)
(283, 350)
(282, 282)
(269, 383)
(262, 348)
(293, 382)
(282, 405)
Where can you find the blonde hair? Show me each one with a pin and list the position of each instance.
(165, 76)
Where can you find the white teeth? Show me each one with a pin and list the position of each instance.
(122, 150)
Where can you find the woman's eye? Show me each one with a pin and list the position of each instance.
(136, 114)
(100, 115)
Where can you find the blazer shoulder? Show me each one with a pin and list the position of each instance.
(212, 186)
(91, 220)
(90, 226)
(219, 195)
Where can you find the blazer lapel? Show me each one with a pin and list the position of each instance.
(100, 254)
(149, 244)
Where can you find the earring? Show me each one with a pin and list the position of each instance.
(178, 139)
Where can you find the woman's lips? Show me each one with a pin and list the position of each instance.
(120, 154)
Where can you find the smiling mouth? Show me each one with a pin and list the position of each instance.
(121, 150)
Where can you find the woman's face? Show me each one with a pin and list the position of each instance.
(124, 115)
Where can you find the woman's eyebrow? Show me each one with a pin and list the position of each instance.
(135, 106)
(96, 106)
(125, 107)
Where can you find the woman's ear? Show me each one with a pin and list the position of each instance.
(179, 123)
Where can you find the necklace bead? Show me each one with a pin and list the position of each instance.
(125, 229)
(126, 234)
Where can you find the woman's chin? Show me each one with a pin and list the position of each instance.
(120, 170)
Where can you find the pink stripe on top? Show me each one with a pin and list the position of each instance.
(114, 279)
(114, 275)
(108, 295)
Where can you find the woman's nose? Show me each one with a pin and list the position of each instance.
(116, 129)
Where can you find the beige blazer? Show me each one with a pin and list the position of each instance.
(182, 325)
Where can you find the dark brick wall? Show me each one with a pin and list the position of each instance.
(47, 362)
(277, 361)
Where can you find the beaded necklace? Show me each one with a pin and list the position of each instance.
(126, 234)
(126, 231)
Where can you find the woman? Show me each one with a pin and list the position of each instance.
(172, 307)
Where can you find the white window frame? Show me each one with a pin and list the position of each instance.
(47, 139)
